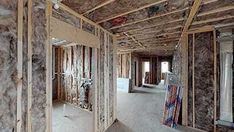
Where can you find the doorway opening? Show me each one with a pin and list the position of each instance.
(164, 70)
(146, 72)
(72, 87)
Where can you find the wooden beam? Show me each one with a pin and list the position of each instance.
(48, 45)
(148, 48)
(136, 41)
(19, 64)
(29, 109)
(204, 2)
(193, 83)
(215, 80)
(152, 32)
(163, 34)
(125, 13)
(213, 20)
(99, 6)
(191, 16)
(222, 9)
(150, 18)
(224, 25)
(156, 25)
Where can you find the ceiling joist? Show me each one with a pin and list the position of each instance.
(99, 6)
(162, 31)
(222, 9)
(150, 18)
(136, 41)
(125, 13)
(155, 25)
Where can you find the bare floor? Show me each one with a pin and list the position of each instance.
(141, 111)
(75, 119)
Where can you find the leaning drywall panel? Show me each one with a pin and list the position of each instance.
(8, 63)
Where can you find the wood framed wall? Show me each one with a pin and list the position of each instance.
(26, 67)
(191, 105)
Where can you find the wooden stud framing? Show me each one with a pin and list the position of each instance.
(215, 79)
(99, 6)
(19, 63)
(59, 72)
(122, 14)
(29, 112)
(193, 83)
(184, 49)
(48, 46)
(150, 18)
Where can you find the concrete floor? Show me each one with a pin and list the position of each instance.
(141, 111)
(77, 120)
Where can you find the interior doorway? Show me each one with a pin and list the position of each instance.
(72, 87)
(146, 72)
(164, 70)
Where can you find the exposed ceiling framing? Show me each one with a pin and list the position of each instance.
(139, 24)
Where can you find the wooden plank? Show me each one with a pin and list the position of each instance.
(193, 78)
(155, 25)
(99, 6)
(184, 48)
(29, 108)
(221, 9)
(19, 63)
(62, 30)
(201, 29)
(141, 33)
(215, 80)
(136, 41)
(212, 20)
(137, 9)
(59, 72)
(48, 46)
(150, 18)
(115, 76)
(95, 71)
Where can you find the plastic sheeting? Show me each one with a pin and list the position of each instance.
(226, 87)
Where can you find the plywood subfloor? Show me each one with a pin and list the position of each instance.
(77, 120)
(141, 111)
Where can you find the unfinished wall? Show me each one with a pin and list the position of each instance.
(8, 64)
(76, 65)
(201, 81)
(24, 80)
(124, 65)
(106, 93)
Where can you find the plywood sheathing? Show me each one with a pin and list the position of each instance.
(8, 64)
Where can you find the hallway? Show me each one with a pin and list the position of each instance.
(141, 111)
